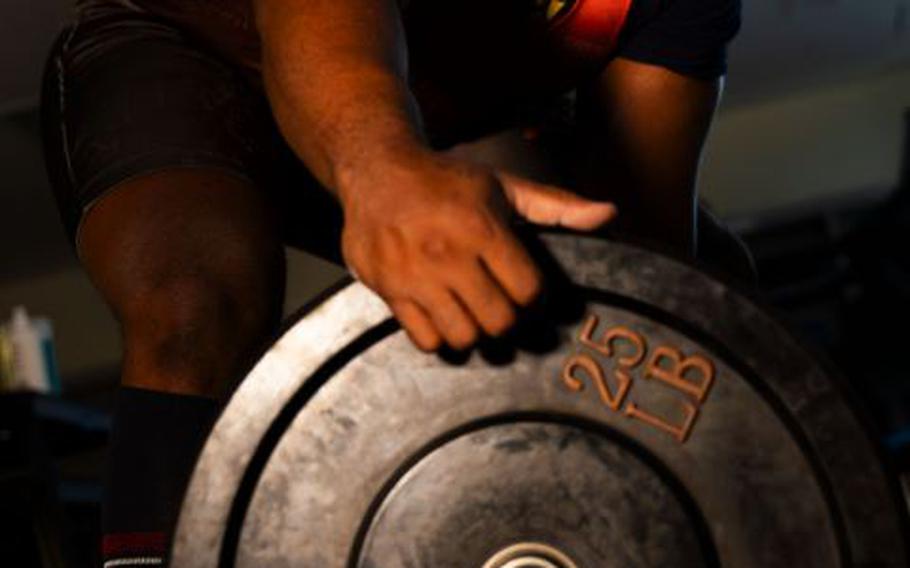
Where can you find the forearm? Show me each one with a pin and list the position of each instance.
(335, 73)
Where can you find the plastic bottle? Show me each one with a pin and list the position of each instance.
(28, 357)
(6, 361)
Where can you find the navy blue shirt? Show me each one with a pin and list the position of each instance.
(686, 36)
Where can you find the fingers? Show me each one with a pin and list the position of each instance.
(418, 325)
(455, 325)
(550, 205)
(512, 267)
(435, 315)
(484, 299)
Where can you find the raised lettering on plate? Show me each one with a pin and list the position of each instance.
(605, 345)
(586, 364)
(679, 365)
(680, 432)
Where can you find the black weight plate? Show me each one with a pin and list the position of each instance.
(589, 446)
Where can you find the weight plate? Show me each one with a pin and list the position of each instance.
(649, 416)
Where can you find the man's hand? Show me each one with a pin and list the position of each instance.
(431, 236)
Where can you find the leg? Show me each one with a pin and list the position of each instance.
(191, 265)
(190, 262)
(154, 137)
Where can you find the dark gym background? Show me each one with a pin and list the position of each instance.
(805, 160)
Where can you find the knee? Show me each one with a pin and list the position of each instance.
(194, 334)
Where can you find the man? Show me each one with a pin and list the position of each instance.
(187, 141)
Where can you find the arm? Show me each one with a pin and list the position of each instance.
(644, 131)
(335, 73)
(428, 234)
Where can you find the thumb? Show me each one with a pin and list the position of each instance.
(550, 205)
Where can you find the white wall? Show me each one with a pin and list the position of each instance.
(787, 46)
(814, 105)
(823, 145)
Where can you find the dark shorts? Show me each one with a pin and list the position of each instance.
(126, 94)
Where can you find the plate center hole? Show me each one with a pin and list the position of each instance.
(530, 555)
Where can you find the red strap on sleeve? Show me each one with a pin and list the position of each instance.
(591, 28)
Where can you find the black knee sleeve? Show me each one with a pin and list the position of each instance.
(155, 440)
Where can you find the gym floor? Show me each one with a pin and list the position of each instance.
(809, 161)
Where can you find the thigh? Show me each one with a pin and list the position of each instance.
(176, 235)
(158, 153)
(191, 264)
